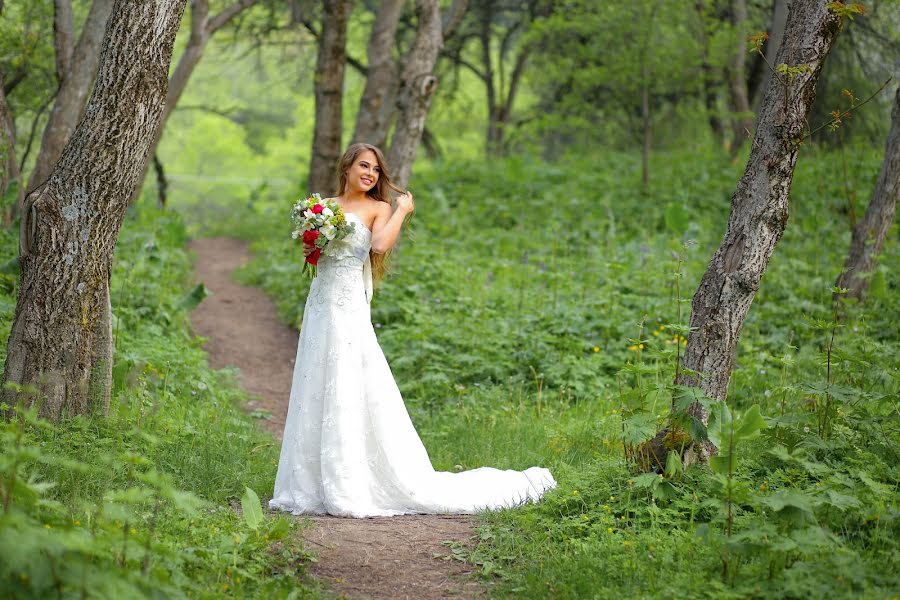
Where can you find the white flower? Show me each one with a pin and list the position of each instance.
(329, 231)
(308, 213)
(327, 212)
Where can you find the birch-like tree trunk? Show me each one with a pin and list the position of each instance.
(417, 87)
(376, 106)
(870, 232)
(332, 58)
(759, 207)
(61, 341)
(74, 88)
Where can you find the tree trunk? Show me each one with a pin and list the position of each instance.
(417, 87)
(63, 37)
(9, 166)
(74, 89)
(484, 37)
(326, 147)
(709, 79)
(759, 207)
(61, 341)
(869, 233)
(376, 107)
(202, 29)
(742, 117)
(780, 10)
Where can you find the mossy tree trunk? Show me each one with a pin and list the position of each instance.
(61, 343)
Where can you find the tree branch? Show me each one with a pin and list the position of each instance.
(221, 19)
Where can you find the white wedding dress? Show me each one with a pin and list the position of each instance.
(350, 448)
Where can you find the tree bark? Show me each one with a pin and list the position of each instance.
(332, 59)
(742, 117)
(74, 88)
(63, 37)
(202, 29)
(61, 343)
(870, 232)
(780, 10)
(759, 207)
(9, 166)
(376, 107)
(417, 87)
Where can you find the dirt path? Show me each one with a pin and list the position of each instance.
(390, 558)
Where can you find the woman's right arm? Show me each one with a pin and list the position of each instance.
(386, 229)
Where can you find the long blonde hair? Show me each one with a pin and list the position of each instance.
(381, 192)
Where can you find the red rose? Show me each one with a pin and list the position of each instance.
(317, 208)
(313, 258)
(309, 237)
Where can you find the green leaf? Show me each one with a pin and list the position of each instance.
(720, 463)
(673, 465)
(719, 425)
(677, 218)
(750, 424)
(250, 506)
(190, 301)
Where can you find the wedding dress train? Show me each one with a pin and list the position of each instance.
(350, 448)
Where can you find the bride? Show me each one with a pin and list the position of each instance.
(350, 448)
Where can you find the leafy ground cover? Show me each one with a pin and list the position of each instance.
(536, 315)
(158, 499)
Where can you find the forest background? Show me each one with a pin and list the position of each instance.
(573, 178)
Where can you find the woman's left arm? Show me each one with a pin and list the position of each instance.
(388, 222)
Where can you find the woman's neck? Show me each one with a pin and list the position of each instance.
(354, 196)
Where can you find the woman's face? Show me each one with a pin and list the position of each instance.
(364, 172)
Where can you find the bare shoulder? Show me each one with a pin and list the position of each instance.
(382, 209)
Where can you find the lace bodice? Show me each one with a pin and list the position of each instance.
(346, 261)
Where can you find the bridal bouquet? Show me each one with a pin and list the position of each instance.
(318, 222)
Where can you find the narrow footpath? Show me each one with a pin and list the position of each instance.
(379, 558)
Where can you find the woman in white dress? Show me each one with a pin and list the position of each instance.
(350, 448)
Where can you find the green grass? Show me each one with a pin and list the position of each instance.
(514, 321)
(145, 503)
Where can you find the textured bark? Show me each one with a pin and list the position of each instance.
(202, 29)
(61, 342)
(417, 87)
(376, 107)
(870, 232)
(742, 117)
(332, 59)
(74, 88)
(759, 207)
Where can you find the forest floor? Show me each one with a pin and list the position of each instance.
(389, 557)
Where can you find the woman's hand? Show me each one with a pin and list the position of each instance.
(308, 249)
(405, 202)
